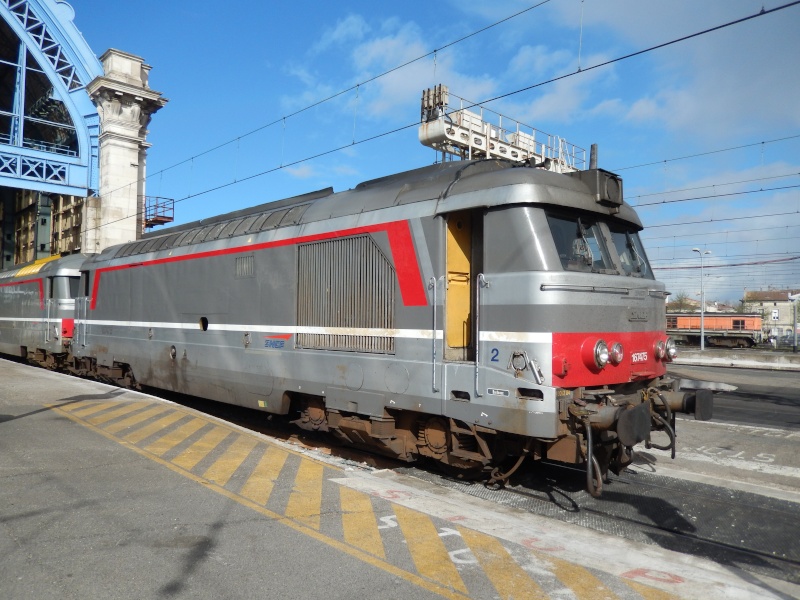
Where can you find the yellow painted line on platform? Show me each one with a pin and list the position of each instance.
(427, 549)
(84, 409)
(306, 500)
(119, 412)
(436, 571)
(508, 578)
(584, 584)
(153, 428)
(151, 412)
(198, 451)
(359, 523)
(649, 593)
(225, 466)
(298, 526)
(166, 443)
(258, 487)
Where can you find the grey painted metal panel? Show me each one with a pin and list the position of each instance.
(248, 354)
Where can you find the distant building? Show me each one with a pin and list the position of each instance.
(720, 307)
(689, 305)
(72, 136)
(775, 308)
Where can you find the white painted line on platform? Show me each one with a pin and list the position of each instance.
(761, 463)
(684, 575)
(771, 491)
(773, 432)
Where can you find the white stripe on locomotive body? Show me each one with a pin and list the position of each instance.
(31, 319)
(422, 334)
(528, 337)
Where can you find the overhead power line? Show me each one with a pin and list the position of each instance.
(760, 262)
(712, 185)
(709, 197)
(738, 242)
(415, 124)
(647, 238)
(780, 214)
(666, 160)
(336, 95)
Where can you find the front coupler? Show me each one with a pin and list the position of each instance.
(611, 425)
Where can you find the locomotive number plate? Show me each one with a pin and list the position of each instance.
(637, 315)
(639, 357)
(497, 392)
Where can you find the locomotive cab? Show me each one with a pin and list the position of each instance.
(563, 299)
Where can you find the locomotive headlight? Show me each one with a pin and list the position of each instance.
(661, 349)
(672, 349)
(617, 353)
(601, 353)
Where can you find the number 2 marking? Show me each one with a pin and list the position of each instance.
(495, 355)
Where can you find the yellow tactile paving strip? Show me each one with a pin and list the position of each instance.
(249, 470)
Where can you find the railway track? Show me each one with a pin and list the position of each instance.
(730, 527)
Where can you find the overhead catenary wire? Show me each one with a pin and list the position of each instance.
(699, 154)
(738, 242)
(720, 257)
(726, 232)
(712, 185)
(775, 189)
(345, 91)
(713, 266)
(761, 216)
(485, 101)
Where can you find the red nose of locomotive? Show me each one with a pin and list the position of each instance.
(607, 358)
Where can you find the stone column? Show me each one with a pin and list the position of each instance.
(125, 104)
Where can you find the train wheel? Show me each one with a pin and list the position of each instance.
(434, 435)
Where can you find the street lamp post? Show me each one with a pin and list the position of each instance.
(794, 298)
(702, 301)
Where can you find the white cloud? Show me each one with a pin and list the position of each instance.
(644, 110)
(534, 62)
(722, 84)
(303, 171)
(566, 100)
(345, 170)
(399, 91)
(350, 29)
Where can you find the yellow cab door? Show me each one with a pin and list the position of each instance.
(459, 293)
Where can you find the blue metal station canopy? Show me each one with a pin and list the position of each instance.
(49, 126)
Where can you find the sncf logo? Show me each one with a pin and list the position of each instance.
(639, 357)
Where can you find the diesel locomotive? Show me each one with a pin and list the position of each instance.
(472, 312)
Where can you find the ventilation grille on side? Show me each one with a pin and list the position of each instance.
(245, 266)
(347, 285)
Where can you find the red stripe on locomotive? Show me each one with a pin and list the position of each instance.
(400, 241)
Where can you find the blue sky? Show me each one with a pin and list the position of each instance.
(230, 69)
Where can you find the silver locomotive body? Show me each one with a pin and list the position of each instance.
(475, 313)
(37, 309)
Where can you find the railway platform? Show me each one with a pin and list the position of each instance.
(117, 494)
(743, 359)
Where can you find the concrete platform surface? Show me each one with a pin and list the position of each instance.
(742, 359)
(106, 493)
